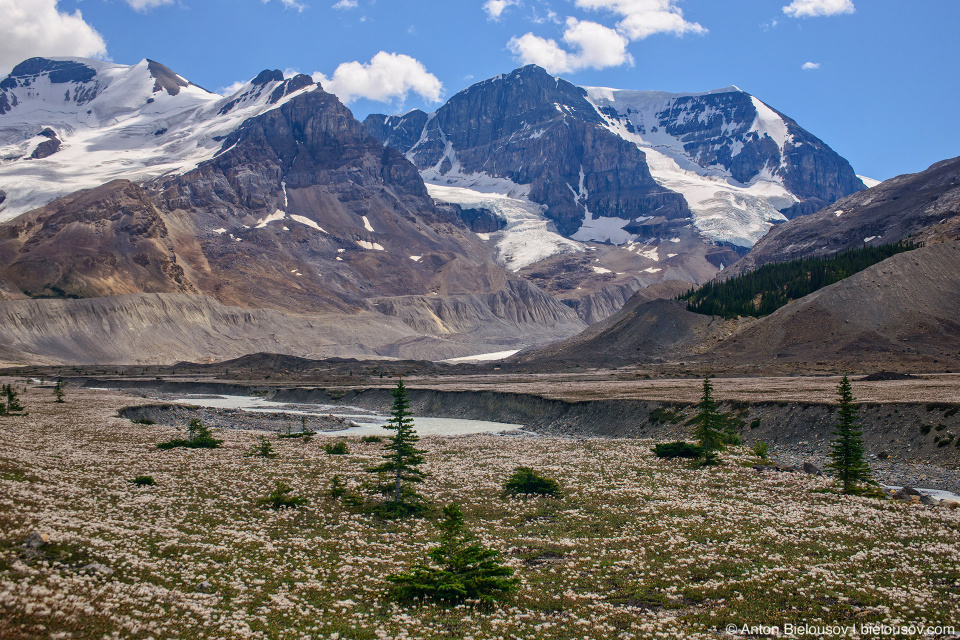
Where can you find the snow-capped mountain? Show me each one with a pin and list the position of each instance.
(73, 123)
(274, 200)
(624, 166)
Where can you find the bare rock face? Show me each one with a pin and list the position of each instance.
(537, 130)
(922, 206)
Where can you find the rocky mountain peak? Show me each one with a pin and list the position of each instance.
(267, 76)
(165, 78)
(58, 70)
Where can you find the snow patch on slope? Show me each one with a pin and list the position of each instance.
(307, 221)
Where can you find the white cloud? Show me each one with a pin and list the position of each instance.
(290, 4)
(144, 5)
(594, 46)
(495, 8)
(346, 4)
(388, 76)
(814, 8)
(810, 65)
(644, 18)
(37, 28)
(551, 16)
(229, 90)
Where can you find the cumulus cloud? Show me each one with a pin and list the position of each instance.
(810, 65)
(387, 77)
(38, 28)
(495, 8)
(346, 4)
(814, 8)
(643, 18)
(144, 5)
(593, 46)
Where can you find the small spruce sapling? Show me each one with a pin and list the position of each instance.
(847, 452)
(402, 460)
(13, 405)
(708, 425)
(280, 498)
(262, 449)
(761, 449)
(58, 390)
(462, 569)
(338, 487)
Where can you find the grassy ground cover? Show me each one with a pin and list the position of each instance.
(636, 547)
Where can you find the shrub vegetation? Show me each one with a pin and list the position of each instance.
(200, 438)
(678, 449)
(527, 481)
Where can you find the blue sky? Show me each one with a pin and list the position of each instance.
(880, 85)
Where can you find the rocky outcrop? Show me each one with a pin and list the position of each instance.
(922, 206)
(48, 147)
(537, 130)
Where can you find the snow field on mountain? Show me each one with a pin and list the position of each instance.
(127, 131)
(527, 238)
(723, 209)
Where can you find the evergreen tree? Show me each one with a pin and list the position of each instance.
(708, 424)
(58, 390)
(847, 452)
(402, 459)
(463, 570)
(13, 400)
(3, 400)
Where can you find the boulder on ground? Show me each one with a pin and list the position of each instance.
(812, 469)
(906, 493)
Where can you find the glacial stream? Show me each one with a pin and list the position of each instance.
(367, 422)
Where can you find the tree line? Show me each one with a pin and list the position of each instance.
(763, 291)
